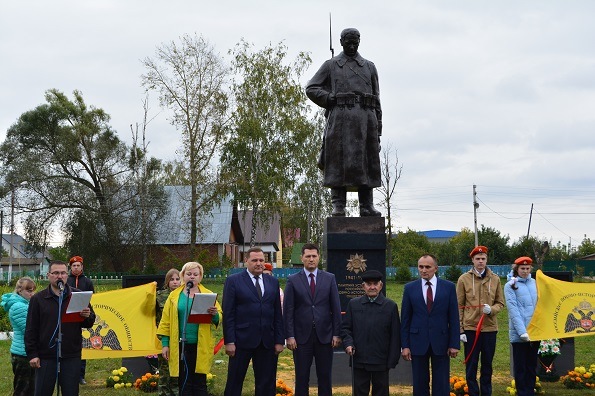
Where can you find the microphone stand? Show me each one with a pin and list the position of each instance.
(183, 341)
(59, 340)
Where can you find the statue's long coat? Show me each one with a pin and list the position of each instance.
(351, 152)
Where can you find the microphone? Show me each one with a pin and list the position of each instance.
(61, 285)
(189, 285)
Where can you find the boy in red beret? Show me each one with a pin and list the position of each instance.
(480, 298)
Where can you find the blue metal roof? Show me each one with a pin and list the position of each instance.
(439, 234)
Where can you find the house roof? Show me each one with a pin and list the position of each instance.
(438, 234)
(174, 228)
(265, 234)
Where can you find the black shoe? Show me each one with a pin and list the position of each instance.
(82, 381)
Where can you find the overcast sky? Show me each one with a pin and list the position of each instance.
(499, 94)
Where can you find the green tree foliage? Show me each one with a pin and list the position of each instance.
(310, 204)
(76, 167)
(586, 248)
(264, 155)
(408, 247)
(191, 80)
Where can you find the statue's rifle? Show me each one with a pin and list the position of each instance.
(330, 31)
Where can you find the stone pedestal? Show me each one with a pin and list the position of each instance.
(351, 246)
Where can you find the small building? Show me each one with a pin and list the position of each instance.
(268, 237)
(439, 236)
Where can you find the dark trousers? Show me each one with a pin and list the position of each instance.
(24, 376)
(45, 377)
(486, 346)
(83, 368)
(524, 358)
(264, 365)
(189, 382)
(362, 379)
(420, 365)
(302, 359)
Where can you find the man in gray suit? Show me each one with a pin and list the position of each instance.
(312, 318)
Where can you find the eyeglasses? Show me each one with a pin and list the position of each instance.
(56, 273)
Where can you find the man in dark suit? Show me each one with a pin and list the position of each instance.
(430, 328)
(312, 317)
(252, 326)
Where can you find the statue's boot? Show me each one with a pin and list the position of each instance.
(366, 203)
(339, 200)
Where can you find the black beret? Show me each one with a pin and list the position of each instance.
(371, 275)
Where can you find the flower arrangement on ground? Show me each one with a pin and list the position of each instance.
(458, 386)
(549, 347)
(283, 389)
(119, 378)
(579, 378)
(211, 382)
(147, 383)
(538, 388)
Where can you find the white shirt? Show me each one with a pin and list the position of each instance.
(260, 281)
(424, 288)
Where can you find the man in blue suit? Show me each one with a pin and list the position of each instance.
(252, 326)
(312, 317)
(430, 328)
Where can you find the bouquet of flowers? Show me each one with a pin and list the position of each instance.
(580, 378)
(283, 389)
(549, 347)
(120, 378)
(147, 383)
(458, 386)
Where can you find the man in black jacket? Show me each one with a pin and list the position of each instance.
(371, 335)
(41, 336)
(79, 281)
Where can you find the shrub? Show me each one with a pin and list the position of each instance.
(579, 378)
(403, 274)
(147, 383)
(452, 273)
(119, 378)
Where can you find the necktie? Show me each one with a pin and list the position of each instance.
(312, 285)
(258, 289)
(429, 296)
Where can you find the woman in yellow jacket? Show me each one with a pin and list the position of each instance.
(192, 368)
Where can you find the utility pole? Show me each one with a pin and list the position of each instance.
(530, 216)
(475, 206)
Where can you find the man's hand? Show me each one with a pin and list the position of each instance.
(86, 312)
(463, 337)
(165, 353)
(350, 350)
(336, 341)
(291, 344)
(278, 348)
(34, 363)
(406, 353)
(230, 350)
(525, 337)
(453, 352)
(487, 309)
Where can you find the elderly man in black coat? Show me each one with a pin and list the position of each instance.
(371, 334)
(347, 87)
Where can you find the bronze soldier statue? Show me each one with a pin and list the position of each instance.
(347, 87)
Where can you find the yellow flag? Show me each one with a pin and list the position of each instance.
(125, 324)
(564, 309)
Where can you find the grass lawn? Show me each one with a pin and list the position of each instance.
(98, 370)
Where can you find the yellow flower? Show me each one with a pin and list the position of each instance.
(124, 369)
(115, 372)
(116, 378)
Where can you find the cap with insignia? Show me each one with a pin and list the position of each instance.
(477, 250)
(524, 261)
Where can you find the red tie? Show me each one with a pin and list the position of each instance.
(312, 285)
(429, 296)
